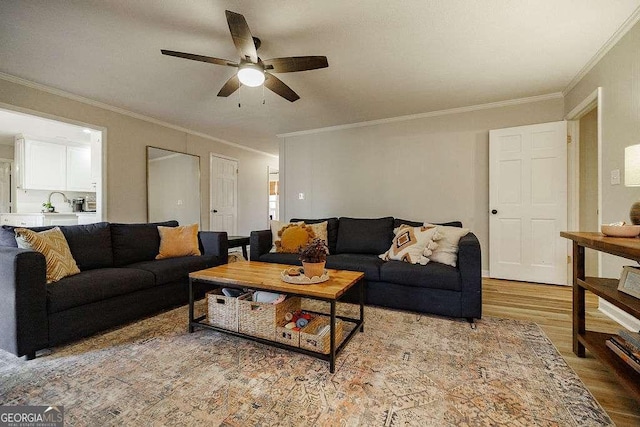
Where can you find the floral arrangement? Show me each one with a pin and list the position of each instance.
(314, 251)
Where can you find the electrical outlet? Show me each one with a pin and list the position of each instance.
(300, 196)
(615, 177)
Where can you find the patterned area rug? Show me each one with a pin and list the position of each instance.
(405, 369)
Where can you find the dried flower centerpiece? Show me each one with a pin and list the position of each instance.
(314, 257)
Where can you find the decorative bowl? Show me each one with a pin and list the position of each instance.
(620, 230)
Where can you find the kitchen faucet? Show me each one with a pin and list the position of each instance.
(54, 192)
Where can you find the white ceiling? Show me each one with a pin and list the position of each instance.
(13, 123)
(386, 58)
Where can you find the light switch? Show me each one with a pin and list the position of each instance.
(300, 196)
(615, 177)
(179, 202)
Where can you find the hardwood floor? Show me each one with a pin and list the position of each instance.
(550, 307)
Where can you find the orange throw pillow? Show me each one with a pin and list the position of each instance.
(178, 241)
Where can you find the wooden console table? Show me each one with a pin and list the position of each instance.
(608, 290)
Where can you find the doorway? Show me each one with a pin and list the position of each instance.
(274, 193)
(6, 196)
(87, 146)
(223, 200)
(585, 172)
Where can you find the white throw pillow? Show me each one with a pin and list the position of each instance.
(411, 244)
(447, 250)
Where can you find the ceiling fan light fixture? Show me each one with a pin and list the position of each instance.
(251, 75)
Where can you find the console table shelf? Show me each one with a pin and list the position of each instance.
(607, 289)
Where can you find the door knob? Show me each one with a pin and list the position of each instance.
(214, 210)
(494, 211)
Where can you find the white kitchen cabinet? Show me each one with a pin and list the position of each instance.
(38, 219)
(87, 218)
(79, 169)
(18, 220)
(45, 165)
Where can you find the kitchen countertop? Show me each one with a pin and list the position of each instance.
(51, 213)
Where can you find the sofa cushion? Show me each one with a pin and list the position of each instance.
(281, 258)
(96, 285)
(136, 242)
(398, 222)
(8, 235)
(368, 264)
(433, 275)
(364, 235)
(174, 269)
(90, 245)
(332, 230)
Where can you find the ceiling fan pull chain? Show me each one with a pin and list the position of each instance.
(239, 89)
(263, 94)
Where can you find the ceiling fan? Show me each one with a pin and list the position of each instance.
(253, 71)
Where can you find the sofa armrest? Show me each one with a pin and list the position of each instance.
(470, 267)
(24, 324)
(260, 243)
(215, 243)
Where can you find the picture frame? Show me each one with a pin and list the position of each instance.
(630, 281)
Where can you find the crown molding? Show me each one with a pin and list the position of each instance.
(615, 38)
(437, 113)
(78, 98)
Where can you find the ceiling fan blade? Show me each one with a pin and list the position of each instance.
(276, 85)
(209, 59)
(242, 37)
(295, 63)
(230, 86)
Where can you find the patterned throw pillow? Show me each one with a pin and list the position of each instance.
(53, 245)
(411, 244)
(178, 241)
(447, 250)
(290, 237)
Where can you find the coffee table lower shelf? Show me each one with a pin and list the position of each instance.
(358, 325)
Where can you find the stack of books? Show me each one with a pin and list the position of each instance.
(627, 346)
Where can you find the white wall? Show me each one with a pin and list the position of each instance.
(618, 73)
(126, 141)
(432, 169)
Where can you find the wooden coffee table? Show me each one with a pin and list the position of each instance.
(263, 276)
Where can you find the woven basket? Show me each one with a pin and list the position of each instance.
(310, 340)
(259, 319)
(288, 336)
(223, 310)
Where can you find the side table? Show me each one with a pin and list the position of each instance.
(240, 241)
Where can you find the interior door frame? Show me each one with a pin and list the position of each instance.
(101, 199)
(12, 187)
(594, 99)
(222, 156)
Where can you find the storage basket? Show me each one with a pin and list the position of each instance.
(223, 310)
(311, 339)
(259, 319)
(288, 336)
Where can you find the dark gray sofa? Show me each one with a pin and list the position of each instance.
(355, 243)
(120, 281)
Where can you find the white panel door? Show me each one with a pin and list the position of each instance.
(528, 203)
(224, 195)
